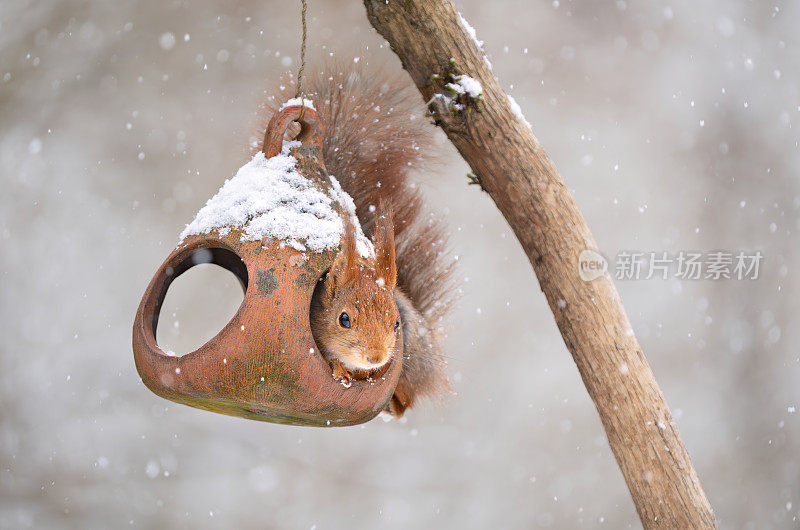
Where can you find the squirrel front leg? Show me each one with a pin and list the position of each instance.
(423, 372)
(341, 373)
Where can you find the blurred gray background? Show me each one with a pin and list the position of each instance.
(674, 124)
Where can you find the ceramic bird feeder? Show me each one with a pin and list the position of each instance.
(264, 364)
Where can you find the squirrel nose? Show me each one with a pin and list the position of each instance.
(376, 359)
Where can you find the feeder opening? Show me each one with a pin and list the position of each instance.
(202, 303)
(314, 298)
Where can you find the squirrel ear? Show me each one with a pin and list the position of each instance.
(385, 266)
(345, 266)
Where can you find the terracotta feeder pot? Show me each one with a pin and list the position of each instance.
(264, 364)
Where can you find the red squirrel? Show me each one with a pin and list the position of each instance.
(375, 134)
(354, 317)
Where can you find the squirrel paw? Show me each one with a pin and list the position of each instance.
(342, 374)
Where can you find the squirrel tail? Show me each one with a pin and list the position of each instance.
(376, 136)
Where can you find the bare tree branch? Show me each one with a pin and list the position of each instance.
(436, 49)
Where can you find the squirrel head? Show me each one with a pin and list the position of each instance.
(360, 319)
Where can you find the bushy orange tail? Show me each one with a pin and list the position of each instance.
(376, 136)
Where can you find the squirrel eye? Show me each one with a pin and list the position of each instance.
(344, 320)
(396, 324)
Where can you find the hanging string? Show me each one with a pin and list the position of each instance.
(302, 63)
